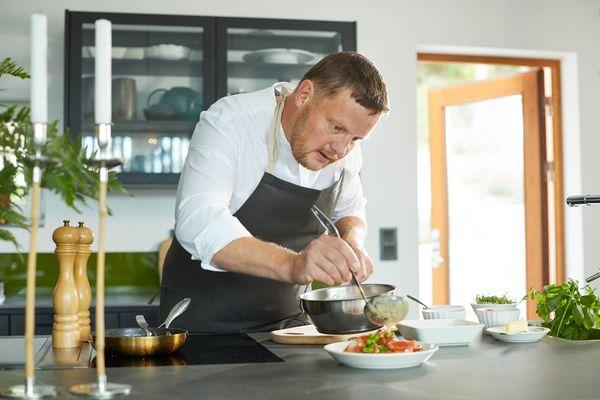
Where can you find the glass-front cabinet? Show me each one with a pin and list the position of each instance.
(167, 69)
(255, 53)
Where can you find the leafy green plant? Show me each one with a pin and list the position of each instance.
(71, 178)
(567, 312)
(484, 299)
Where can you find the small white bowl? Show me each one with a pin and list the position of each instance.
(444, 312)
(491, 317)
(496, 306)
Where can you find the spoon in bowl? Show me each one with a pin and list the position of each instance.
(413, 298)
(380, 310)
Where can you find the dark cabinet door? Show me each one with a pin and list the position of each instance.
(4, 325)
(252, 54)
(111, 320)
(43, 323)
(163, 69)
(166, 69)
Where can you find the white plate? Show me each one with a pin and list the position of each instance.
(280, 56)
(380, 360)
(443, 332)
(533, 334)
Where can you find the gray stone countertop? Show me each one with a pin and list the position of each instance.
(487, 369)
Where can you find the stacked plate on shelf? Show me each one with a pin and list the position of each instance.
(280, 56)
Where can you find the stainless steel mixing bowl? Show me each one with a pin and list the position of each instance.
(340, 310)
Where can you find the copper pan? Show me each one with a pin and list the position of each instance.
(133, 342)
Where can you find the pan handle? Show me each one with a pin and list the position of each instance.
(176, 311)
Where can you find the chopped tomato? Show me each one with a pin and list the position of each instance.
(382, 342)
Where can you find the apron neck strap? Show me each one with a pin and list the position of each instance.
(273, 138)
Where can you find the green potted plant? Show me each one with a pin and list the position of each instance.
(71, 178)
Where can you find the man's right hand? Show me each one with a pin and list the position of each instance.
(327, 259)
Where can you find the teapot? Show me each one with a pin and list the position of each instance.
(175, 103)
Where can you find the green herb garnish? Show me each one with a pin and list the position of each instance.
(482, 299)
(567, 312)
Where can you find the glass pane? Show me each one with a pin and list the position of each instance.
(484, 145)
(157, 94)
(257, 58)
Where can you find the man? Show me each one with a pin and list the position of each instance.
(245, 239)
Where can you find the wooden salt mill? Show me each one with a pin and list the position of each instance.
(84, 250)
(65, 331)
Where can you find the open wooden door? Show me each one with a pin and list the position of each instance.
(488, 186)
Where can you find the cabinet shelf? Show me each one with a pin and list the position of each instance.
(183, 128)
(120, 37)
(266, 71)
(151, 67)
(316, 44)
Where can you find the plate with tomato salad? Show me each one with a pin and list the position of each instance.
(381, 350)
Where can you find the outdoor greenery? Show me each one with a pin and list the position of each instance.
(70, 177)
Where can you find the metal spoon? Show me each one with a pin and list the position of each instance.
(385, 310)
(176, 311)
(417, 300)
(141, 321)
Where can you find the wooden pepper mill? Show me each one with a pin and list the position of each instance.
(65, 331)
(84, 250)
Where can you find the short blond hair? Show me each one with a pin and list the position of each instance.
(349, 69)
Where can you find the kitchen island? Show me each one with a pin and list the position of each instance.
(487, 369)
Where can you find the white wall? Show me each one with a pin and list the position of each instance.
(389, 33)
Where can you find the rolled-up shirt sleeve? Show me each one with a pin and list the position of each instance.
(204, 222)
(351, 201)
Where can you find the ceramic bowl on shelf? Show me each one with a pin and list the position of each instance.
(491, 317)
(134, 53)
(444, 312)
(167, 52)
(116, 52)
(279, 56)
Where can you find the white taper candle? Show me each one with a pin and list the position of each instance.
(39, 69)
(103, 96)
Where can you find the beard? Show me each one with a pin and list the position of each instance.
(299, 142)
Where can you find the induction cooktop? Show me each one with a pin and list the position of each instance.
(203, 349)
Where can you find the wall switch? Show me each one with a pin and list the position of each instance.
(388, 244)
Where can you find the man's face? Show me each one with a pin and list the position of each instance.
(326, 129)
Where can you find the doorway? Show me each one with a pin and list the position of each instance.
(490, 221)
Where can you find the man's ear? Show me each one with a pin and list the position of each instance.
(304, 93)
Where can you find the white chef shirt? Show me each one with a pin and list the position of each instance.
(226, 161)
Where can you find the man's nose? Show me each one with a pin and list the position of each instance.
(341, 145)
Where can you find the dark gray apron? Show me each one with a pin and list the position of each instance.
(226, 302)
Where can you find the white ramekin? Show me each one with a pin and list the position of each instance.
(444, 312)
(496, 317)
(495, 306)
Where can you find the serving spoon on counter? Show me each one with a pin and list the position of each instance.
(380, 310)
